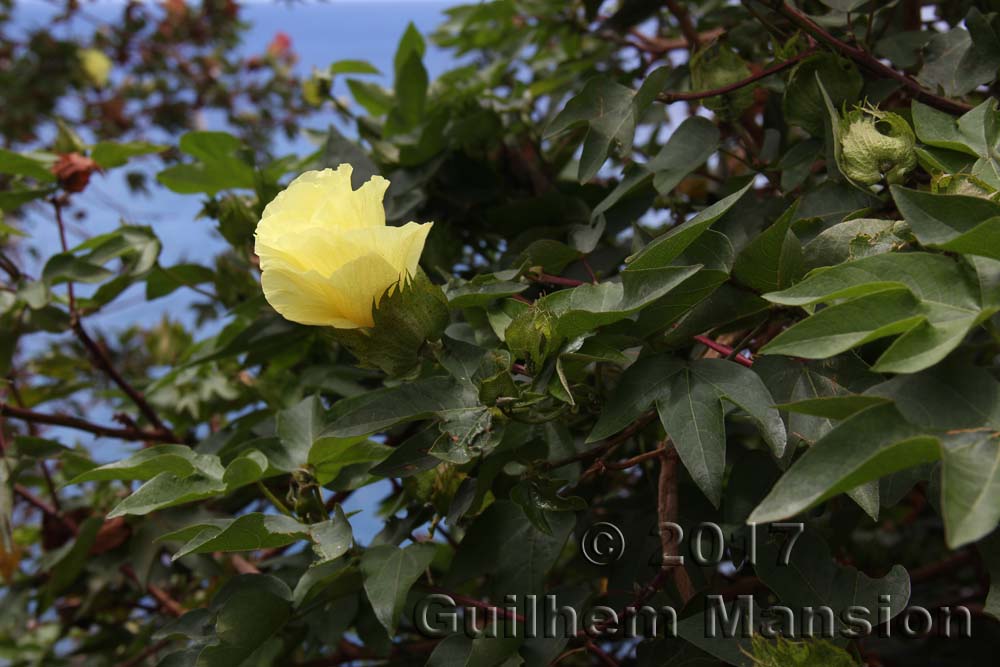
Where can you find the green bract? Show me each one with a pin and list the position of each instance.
(803, 102)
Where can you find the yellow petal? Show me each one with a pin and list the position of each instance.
(365, 279)
(325, 200)
(312, 249)
(306, 298)
(309, 190)
(400, 247)
(362, 208)
(325, 252)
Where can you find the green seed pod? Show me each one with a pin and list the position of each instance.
(876, 144)
(716, 66)
(531, 335)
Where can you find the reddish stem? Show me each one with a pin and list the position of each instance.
(30, 416)
(479, 604)
(870, 62)
(724, 349)
(763, 74)
(556, 280)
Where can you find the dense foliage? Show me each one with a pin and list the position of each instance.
(693, 264)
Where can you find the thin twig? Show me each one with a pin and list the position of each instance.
(680, 13)
(601, 654)
(57, 204)
(10, 268)
(350, 652)
(50, 484)
(45, 507)
(725, 350)
(166, 602)
(567, 653)
(744, 342)
(635, 460)
(658, 45)
(667, 511)
(79, 424)
(945, 566)
(242, 565)
(602, 448)
(555, 280)
(669, 98)
(149, 652)
(870, 62)
(479, 604)
(97, 353)
(19, 399)
(775, 30)
(103, 363)
(33, 430)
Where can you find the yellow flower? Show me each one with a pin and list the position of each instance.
(326, 254)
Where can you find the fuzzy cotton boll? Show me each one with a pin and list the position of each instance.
(876, 144)
(326, 254)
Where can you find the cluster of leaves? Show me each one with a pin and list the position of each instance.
(679, 273)
(149, 72)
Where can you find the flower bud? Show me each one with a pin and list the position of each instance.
(96, 66)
